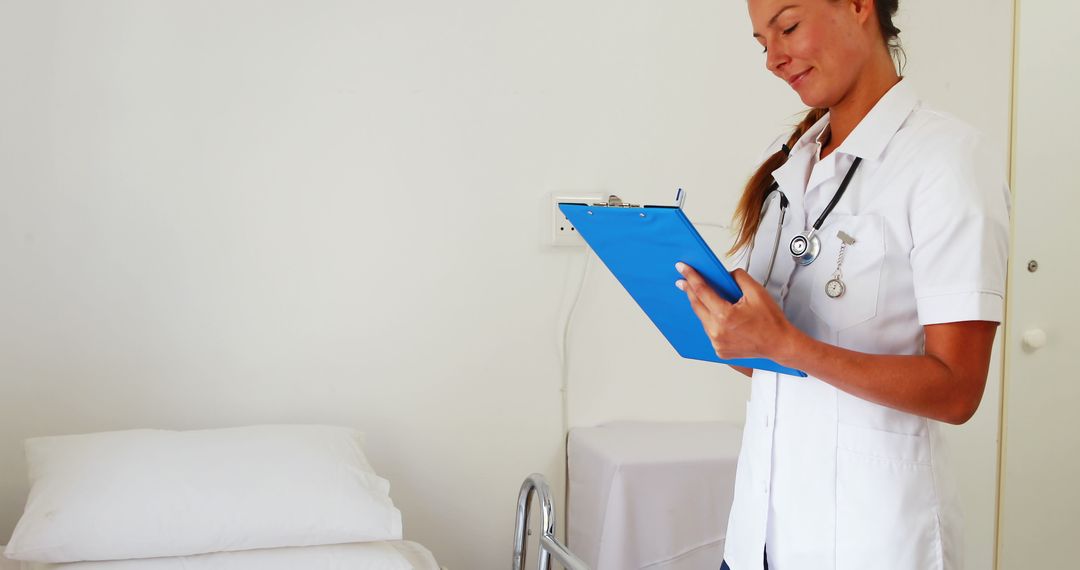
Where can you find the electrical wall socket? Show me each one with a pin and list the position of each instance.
(563, 233)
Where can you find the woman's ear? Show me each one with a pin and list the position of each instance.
(863, 10)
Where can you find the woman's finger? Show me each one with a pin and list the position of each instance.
(748, 285)
(708, 296)
(708, 320)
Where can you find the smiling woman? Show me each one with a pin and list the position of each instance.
(845, 60)
(888, 294)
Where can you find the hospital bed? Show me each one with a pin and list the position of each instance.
(407, 554)
(209, 500)
(189, 501)
(413, 554)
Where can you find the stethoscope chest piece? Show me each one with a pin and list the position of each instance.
(805, 248)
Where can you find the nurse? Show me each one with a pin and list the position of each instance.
(893, 319)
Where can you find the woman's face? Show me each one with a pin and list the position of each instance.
(818, 47)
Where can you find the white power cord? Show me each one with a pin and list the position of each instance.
(563, 342)
(564, 384)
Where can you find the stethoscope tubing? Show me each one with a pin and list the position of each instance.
(809, 235)
(839, 193)
(779, 230)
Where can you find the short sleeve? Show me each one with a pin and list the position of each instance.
(960, 233)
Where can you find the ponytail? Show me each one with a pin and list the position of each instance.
(748, 214)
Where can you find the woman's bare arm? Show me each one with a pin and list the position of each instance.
(945, 383)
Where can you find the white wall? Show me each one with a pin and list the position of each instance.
(222, 213)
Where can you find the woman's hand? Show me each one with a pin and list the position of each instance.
(753, 327)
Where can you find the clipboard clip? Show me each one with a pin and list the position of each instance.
(614, 201)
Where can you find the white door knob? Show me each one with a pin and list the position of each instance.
(1034, 339)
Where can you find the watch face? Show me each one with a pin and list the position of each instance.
(834, 288)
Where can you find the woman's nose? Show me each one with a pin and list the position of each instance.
(775, 59)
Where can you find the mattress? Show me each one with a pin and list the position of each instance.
(415, 554)
(392, 555)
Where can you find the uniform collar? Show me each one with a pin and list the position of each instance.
(811, 136)
(877, 128)
(797, 176)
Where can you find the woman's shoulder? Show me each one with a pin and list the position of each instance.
(951, 156)
(934, 133)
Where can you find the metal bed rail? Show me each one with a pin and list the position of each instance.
(536, 484)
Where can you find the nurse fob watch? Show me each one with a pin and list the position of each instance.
(835, 287)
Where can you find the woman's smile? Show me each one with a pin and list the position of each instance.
(797, 80)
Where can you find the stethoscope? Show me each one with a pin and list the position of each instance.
(806, 246)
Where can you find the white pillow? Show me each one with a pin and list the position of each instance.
(155, 493)
(366, 555)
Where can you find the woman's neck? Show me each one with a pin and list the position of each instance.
(845, 115)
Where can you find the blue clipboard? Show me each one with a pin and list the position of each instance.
(640, 246)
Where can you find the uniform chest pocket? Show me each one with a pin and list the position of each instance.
(858, 271)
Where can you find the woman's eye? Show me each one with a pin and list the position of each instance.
(791, 29)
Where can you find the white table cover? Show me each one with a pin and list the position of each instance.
(651, 495)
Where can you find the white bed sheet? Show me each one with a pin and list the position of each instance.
(391, 555)
(421, 558)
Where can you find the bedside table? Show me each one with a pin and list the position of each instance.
(651, 495)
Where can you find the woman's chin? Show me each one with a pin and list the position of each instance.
(814, 100)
